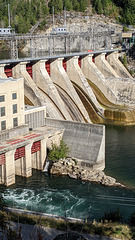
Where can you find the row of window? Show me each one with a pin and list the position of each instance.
(2, 97)
(3, 123)
(3, 112)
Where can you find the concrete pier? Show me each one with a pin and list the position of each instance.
(92, 73)
(2, 72)
(33, 93)
(43, 154)
(44, 82)
(113, 59)
(76, 75)
(9, 168)
(27, 170)
(104, 66)
(61, 78)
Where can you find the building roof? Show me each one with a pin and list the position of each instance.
(5, 80)
(127, 35)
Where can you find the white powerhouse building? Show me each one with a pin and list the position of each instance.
(21, 147)
(11, 103)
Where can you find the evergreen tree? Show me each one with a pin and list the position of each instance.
(83, 5)
(68, 5)
(76, 5)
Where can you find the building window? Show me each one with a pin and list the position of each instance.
(2, 111)
(14, 108)
(15, 122)
(2, 98)
(14, 96)
(3, 125)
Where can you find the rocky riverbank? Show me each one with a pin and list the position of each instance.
(71, 168)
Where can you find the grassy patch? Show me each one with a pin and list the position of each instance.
(114, 229)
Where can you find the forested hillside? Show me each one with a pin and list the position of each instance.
(25, 13)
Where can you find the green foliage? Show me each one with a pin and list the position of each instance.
(57, 4)
(3, 218)
(125, 29)
(127, 11)
(124, 60)
(2, 203)
(58, 152)
(106, 7)
(42, 24)
(113, 216)
(132, 72)
(68, 5)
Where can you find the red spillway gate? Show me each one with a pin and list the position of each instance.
(29, 68)
(36, 147)
(65, 64)
(2, 159)
(79, 61)
(8, 70)
(47, 66)
(20, 152)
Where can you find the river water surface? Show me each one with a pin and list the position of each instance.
(69, 197)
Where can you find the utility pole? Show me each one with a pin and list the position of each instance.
(9, 16)
(65, 17)
(53, 16)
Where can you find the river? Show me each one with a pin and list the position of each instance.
(69, 197)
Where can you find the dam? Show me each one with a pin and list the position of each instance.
(67, 96)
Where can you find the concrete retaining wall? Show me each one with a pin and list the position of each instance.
(68, 43)
(85, 141)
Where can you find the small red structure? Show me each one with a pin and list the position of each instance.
(79, 61)
(8, 70)
(36, 147)
(29, 68)
(20, 152)
(93, 59)
(47, 66)
(2, 159)
(65, 64)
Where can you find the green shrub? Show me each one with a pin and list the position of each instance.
(125, 29)
(132, 72)
(124, 60)
(58, 152)
(42, 25)
(113, 216)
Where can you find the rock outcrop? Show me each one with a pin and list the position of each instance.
(71, 168)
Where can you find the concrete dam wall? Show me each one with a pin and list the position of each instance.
(71, 86)
(86, 142)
